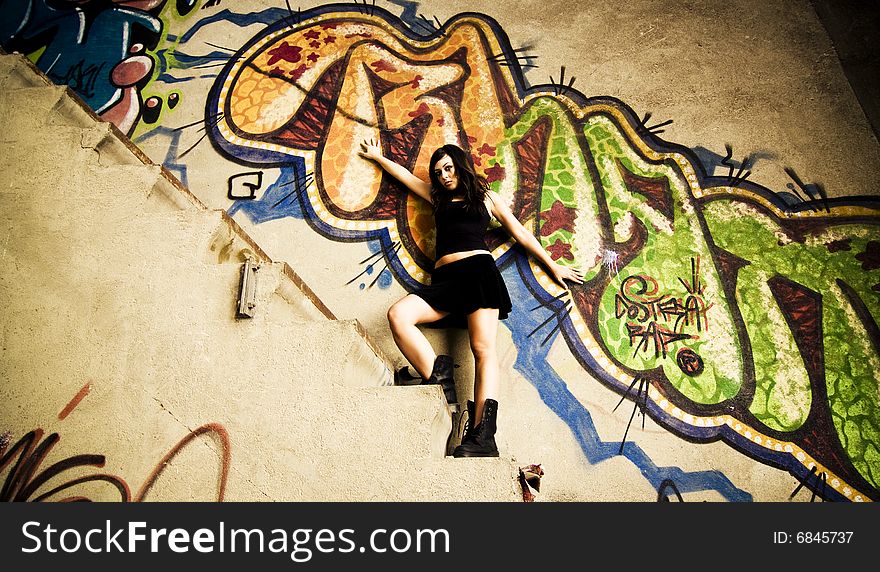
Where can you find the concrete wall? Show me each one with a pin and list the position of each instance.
(733, 305)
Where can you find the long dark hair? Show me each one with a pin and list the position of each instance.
(471, 184)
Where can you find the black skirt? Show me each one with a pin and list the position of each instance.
(464, 286)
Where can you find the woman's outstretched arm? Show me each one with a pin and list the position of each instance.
(370, 150)
(560, 273)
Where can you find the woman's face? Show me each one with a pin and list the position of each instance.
(444, 170)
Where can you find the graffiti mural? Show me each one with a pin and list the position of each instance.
(725, 311)
(727, 333)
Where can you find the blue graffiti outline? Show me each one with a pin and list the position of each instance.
(263, 209)
(269, 16)
(170, 160)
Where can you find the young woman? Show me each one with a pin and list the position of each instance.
(465, 283)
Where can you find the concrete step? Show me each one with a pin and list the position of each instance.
(187, 263)
(113, 235)
(180, 321)
(16, 71)
(389, 427)
(160, 247)
(282, 443)
(41, 124)
(26, 109)
(446, 480)
(99, 189)
(57, 148)
(282, 298)
(311, 356)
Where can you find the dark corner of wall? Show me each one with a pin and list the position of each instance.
(854, 29)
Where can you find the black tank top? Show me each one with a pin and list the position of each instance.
(459, 229)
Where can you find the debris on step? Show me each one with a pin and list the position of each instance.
(530, 478)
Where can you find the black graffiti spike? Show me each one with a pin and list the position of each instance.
(741, 175)
(639, 404)
(306, 179)
(661, 491)
(628, 389)
(556, 314)
(395, 247)
(821, 190)
(560, 88)
(430, 26)
(726, 160)
(524, 61)
(372, 256)
(695, 286)
(645, 129)
(822, 487)
(185, 153)
(225, 49)
(301, 185)
(378, 275)
(364, 7)
(217, 64)
(799, 184)
(558, 325)
(555, 299)
(293, 18)
(211, 120)
(821, 484)
(815, 191)
(424, 24)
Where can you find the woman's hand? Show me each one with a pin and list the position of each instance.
(370, 150)
(562, 273)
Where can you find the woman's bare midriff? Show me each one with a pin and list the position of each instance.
(455, 256)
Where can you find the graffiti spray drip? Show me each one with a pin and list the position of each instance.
(609, 261)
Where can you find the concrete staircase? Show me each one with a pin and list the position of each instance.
(121, 287)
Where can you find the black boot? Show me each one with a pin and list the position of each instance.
(403, 376)
(443, 374)
(480, 440)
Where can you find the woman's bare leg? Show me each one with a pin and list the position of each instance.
(404, 317)
(482, 331)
